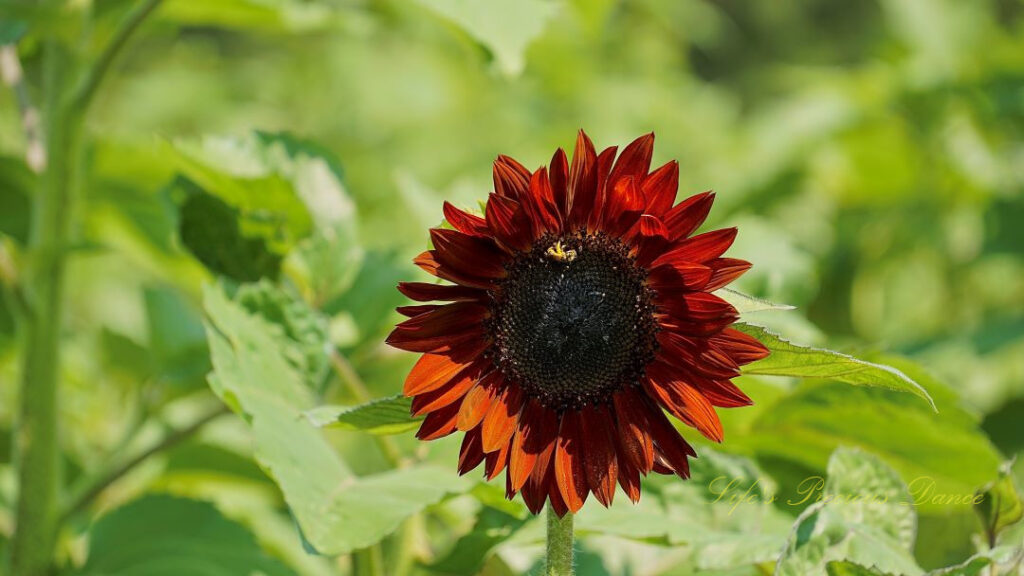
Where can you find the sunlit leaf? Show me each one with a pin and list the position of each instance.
(162, 535)
(865, 515)
(788, 359)
(260, 15)
(382, 416)
(335, 511)
(504, 27)
(744, 304)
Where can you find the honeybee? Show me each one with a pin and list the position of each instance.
(558, 253)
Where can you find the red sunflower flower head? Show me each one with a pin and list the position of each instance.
(578, 311)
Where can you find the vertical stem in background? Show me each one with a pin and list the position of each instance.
(36, 435)
(560, 542)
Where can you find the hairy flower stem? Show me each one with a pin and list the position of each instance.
(560, 543)
(36, 439)
(36, 443)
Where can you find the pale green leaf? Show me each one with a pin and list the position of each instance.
(745, 304)
(381, 416)
(504, 27)
(865, 515)
(162, 535)
(844, 568)
(788, 359)
(335, 511)
(260, 15)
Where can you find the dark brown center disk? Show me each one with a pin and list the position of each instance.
(573, 321)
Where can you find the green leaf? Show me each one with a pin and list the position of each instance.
(162, 535)
(17, 183)
(999, 504)
(843, 568)
(381, 416)
(214, 232)
(504, 27)
(724, 514)
(745, 304)
(300, 331)
(260, 15)
(788, 359)
(865, 515)
(973, 566)
(470, 552)
(335, 511)
(943, 456)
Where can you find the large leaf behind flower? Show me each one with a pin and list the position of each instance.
(336, 511)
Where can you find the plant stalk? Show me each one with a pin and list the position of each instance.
(36, 440)
(560, 545)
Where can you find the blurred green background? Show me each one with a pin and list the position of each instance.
(871, 153)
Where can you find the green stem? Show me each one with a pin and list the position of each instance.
(36, 439)
(368, 561)
(559, 553)
(98, 71)
(36, 443)
(85, 494)
(350, 378)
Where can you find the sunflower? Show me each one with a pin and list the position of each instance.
(579, 310)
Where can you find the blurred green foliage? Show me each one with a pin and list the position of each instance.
(871, 154)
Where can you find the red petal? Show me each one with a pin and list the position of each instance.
(538, 428)
(441, 329)
(669, 279)
(688, 215)
(629, 479)
(601, 168)
(569, 472)
(431, 372)
(510, 177)
(454, 390)
(502, 418)
(439, 424)
(470, 255)
(508, 222)
(697, 313)
(724, 393)
(555, 497)
(724, 271)
(635, 160)
(542, 479)
(683, 400)
(465, 222)
(696, 355)
(428, 261)
(624, 206)
(634, 438)
(412, 311)
(659, 189)
(496, 461)
(471, 454)
(669, 444)
(559, 174)
(698, 309)
(478, 401)
(539, 205)
(740, 347)
(599, 460)
(582, 182)
(426, 292)
(701, 248)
